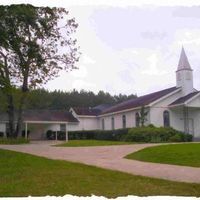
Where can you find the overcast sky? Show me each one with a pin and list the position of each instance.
(130, 48)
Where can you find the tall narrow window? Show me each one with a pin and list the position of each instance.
(102, 123)
(113, 123)
(166, 118)
(137, 120)
(124, 121)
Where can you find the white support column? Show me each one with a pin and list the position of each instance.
(66, 134)
(26, 128)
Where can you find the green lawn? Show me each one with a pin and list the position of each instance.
(13, 141)
(24, 175)
(177, 154)
(87, 143)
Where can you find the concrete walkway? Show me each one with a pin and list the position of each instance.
(110, 157)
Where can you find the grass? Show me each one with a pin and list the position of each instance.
(13, 141)
(176, 154)
(23, 175)
(87, 143)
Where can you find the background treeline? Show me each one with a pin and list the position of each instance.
(44, 99)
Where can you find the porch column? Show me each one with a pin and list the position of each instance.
(56, 135)
(26, 128)
(66, 134)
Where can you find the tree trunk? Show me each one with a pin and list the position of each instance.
(21, 104)
(11, 116)
(20, 115)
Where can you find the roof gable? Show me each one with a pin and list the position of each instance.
(86, 111)
(183, 99)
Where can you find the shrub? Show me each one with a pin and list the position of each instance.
(1, 134)
(154, 134)
(176, 138)
(51, 135)
(139, 134)
(151, 126)
(113, 135)
(23, 133)
(61, 135)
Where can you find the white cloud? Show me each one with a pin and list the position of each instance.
(128, 49)
(153, 68)
(88, 60)
(80, 84)
(118, 3)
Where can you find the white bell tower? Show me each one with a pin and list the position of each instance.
(184, 75)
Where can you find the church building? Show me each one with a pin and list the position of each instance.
(177, 107)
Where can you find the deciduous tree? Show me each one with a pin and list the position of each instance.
(35, 44)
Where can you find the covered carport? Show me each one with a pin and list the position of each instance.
(38, 122)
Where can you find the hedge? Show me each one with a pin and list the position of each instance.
(154, 134)
(1, 134)
(139, 134)
(113, 135)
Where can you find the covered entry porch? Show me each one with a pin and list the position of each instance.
(186, 114)
(34, 130)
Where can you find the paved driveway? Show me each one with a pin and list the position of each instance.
(110, 157)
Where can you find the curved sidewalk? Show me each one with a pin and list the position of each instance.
(111, 157)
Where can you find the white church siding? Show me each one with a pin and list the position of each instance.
(177, 121)
(157, 109)
(194, 102)
(85, 123)
(130, 120)
(194, 121)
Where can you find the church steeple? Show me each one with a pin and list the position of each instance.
(183, 61)
(184, 76)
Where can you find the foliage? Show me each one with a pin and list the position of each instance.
(112, 135)
(23, 133)
(44, 99)
(155, 134)
(35, 44)
(13, 141)
(87, 143)
(27, 175)
(50, 135)
(1, 134)
(138, 134)
(143, 115)
(178, 154)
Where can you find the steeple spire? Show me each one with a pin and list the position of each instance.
(183, 61)
(184, 76)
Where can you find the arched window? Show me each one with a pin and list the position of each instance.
(124, 121)
(102, 123)
(137, 120)
(113, 123)
(166, 118)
